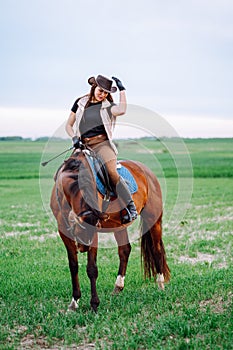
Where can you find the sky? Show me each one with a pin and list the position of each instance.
(175, 58)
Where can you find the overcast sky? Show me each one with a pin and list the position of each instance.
(174, 57)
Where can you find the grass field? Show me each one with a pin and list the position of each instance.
(194, 311)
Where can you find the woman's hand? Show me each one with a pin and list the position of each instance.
(77, 143)
(119, 84)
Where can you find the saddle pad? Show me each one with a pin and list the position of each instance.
(123, 172)
(126, 175)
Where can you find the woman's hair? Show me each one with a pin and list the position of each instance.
(91, 95)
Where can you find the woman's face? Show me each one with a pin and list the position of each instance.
(100, 94)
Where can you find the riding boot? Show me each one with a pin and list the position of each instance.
(124, 194)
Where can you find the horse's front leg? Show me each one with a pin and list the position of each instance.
(92, 272)
(124, 249)
(73, 265)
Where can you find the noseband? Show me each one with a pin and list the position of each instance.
(83, 214)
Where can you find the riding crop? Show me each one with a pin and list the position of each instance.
(45, 163)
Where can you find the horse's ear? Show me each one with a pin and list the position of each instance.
(72, 164)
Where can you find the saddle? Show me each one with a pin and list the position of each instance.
(103, 183)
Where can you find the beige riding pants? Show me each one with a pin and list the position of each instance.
(107, 154)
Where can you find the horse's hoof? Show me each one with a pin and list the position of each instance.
(73, 305)
(160, 281)
(117, 290)
(161, 286)
(94, 308)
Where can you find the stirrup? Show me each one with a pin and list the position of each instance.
(134, 215)
(132, 210)
(125, 216)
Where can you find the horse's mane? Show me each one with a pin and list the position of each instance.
(74, 166)
(71, 165)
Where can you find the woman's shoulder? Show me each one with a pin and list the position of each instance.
(82, 100)
(79, 102)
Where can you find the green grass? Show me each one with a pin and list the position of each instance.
(207, 158)
(194, 311)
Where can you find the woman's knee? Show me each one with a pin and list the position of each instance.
(113, 174)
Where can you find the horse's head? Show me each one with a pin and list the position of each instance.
(80, 190)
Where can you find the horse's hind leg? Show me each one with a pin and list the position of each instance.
(124, 249)
(162, 269)
(73, 265)
(153, 253)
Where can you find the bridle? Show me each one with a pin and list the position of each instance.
(77, 218)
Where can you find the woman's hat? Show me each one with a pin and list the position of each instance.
(103, 82)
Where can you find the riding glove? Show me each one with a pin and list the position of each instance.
(77, 143)
(119, 84)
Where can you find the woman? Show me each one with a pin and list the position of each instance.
(95, 116)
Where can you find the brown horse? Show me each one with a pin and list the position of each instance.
(81, 212)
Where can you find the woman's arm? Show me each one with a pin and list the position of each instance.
(69, 124)
(120, 109)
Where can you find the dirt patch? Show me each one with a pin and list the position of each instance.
(42, 238)
(217, 304)
(16, 229)
(32, 342)
(14, 234)
(25, 224)
(222, 265)
(204, 258)
(209, 258)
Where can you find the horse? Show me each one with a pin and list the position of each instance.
(81, 212)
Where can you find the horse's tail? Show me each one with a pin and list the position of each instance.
(153, 256)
